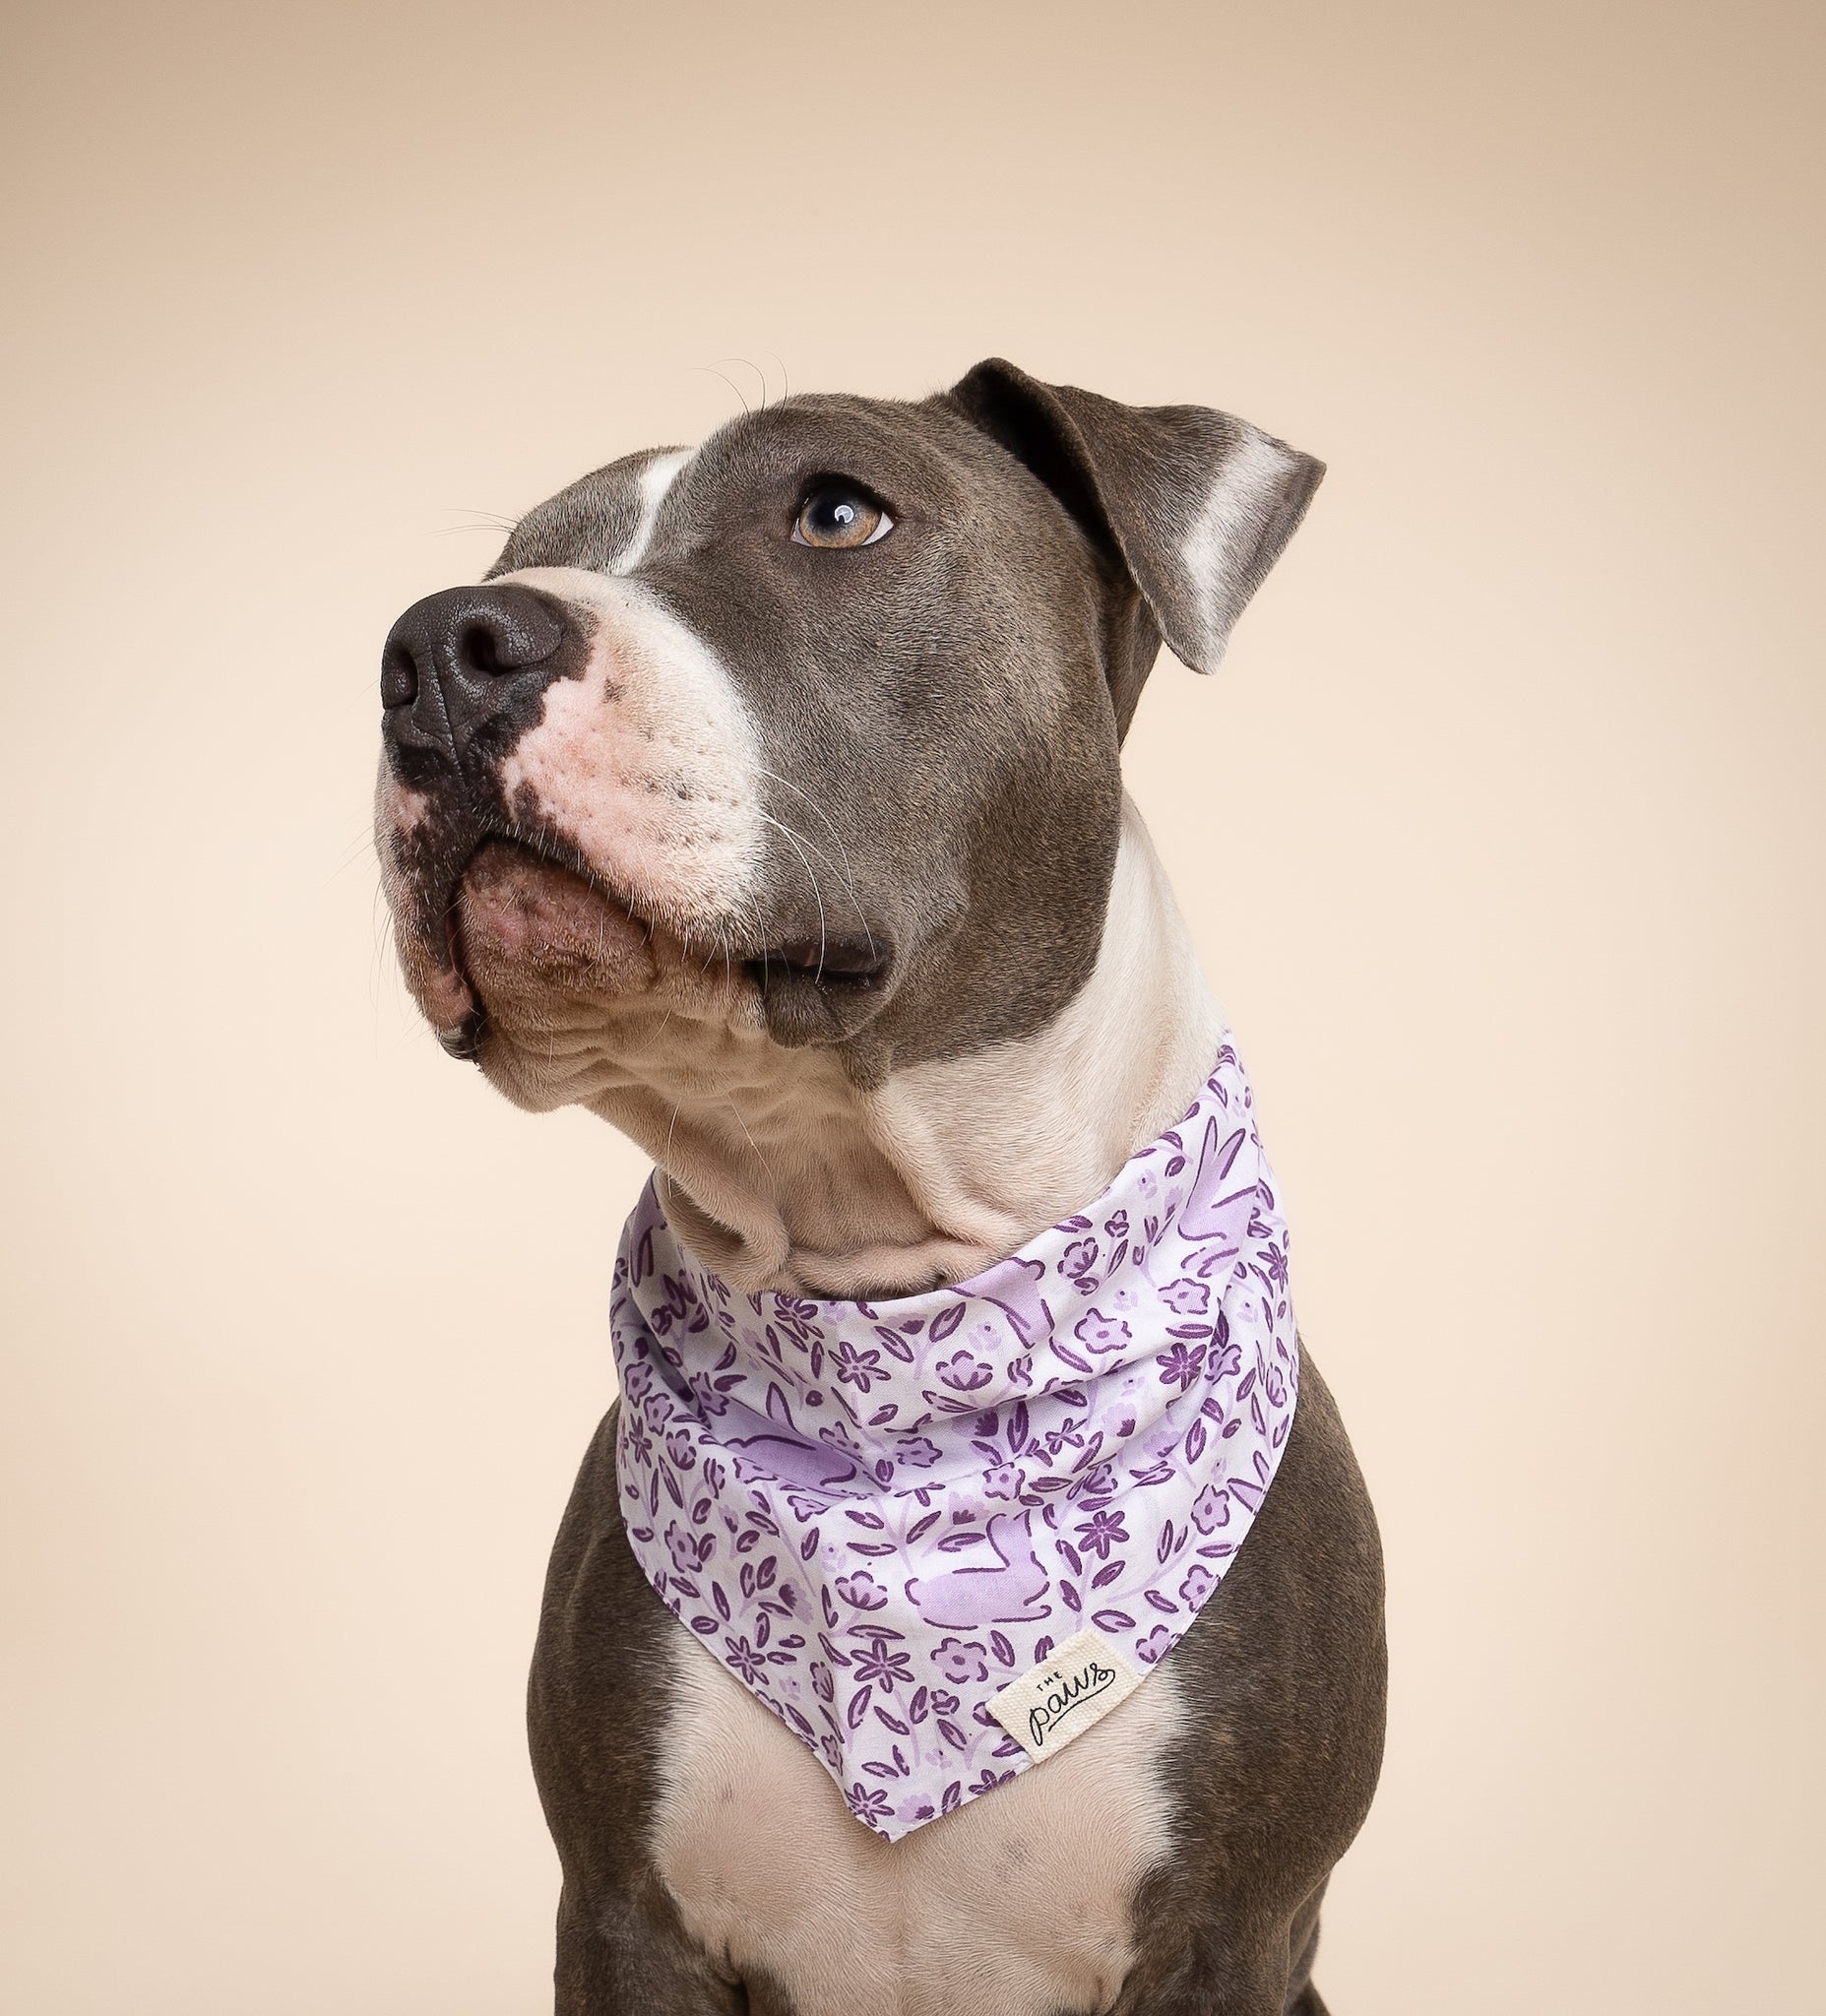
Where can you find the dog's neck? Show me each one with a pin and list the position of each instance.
(791, 1178)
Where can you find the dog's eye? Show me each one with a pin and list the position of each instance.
(835, 514)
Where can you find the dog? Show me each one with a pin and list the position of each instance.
(765, 798)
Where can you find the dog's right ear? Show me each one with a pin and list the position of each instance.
(1193, 506)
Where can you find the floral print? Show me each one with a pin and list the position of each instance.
(856, 1367)
(861, 1591)
(877, 1515)
(964, 1374)
(1098, 1332)
(961, 1662)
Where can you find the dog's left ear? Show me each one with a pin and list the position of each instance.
(1193, 506)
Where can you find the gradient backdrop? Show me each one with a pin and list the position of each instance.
(1501, 831)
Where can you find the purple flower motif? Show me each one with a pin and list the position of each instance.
(1100, 1531)
(678, 1448)
(709, 1401)
(861, 1591)
(1078, 1258)
(1225, 1360)
(1006, 1481)
(918, 1452)
(636, 1380)
(1186, 1298)
(988, 1781)
(1099, 1481)
(943, 1703)
(746, 1661)
(1116, 1225)
(1197, 1585)
(1066, 1435)
(858, 1367)
(867, 1803)
(962, 1661)
(1181, 1366)
(964, 1374)
(1211, 1509)
(1158, 1642)
(1098, 1332)
(880, 1667)
(689, 1551)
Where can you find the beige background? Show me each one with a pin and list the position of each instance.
(1501, 831)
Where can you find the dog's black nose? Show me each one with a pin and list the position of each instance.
(460, 659)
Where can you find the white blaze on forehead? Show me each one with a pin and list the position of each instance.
(648, 763)
(1229, 529)
(655, 481)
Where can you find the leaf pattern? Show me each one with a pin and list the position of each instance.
(876, 1515)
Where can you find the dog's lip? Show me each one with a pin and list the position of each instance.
(853, 961)
(465, 1038)
(550, 852)
(835, 964)
(851, 964)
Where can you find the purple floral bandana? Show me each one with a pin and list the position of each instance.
(880, 1515)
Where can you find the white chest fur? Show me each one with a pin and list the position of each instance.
(1019, 1902)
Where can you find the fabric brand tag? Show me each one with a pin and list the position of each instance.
(1074, 1687)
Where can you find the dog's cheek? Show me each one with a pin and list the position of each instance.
(646, 764)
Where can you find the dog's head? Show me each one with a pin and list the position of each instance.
(810, 736)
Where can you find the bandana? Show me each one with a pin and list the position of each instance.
(941, 1535)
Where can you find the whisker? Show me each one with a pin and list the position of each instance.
(755, 1145)
(713, 372)
(356, 849)
(756, 369)
(816, 895)
(842, 868)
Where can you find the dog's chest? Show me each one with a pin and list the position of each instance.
(1019, 1902)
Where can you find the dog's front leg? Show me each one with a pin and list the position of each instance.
(625, 1959)
(1239, 1974)
(595, 1704)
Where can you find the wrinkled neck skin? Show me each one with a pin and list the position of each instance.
(781, 1174)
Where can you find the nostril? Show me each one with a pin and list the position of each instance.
(398, 677)
(506, 636)
(479, 648)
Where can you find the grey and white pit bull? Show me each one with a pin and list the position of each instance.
(766, 799)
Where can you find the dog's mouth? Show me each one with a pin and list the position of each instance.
(528, 919)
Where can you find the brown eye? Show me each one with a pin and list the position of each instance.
(836, 515)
